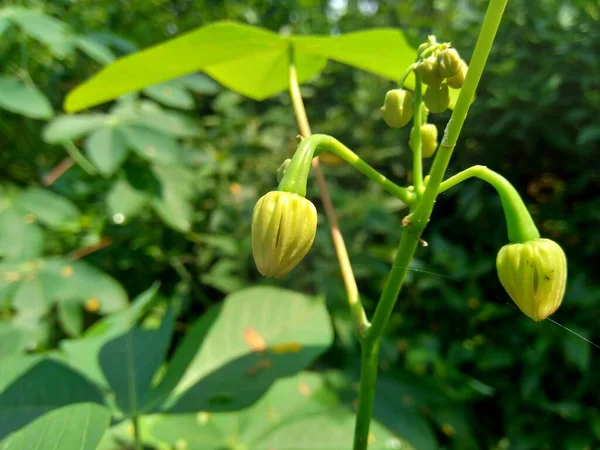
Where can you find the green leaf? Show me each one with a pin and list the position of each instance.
(233, 354)
(21, 98)
(123, 356)
(12, 340)
(50, 208)
(125, 200)
(64, 128)
(73, 427)
(44, 28)
(171, 122)
(173, 204)
(4, 24)
(152, 145)
(70, 316)
(20, 237)
(209, 46)
(32, 386)
(200, 84)
(94, 49)
(301, 412)
(107, 149)
(171, 93)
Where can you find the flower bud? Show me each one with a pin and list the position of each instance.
(428, 71)
(448, 63)
(429, 140)
(534, 274)
(283, 230)
(397, 109)
(458, 80)
(437, 98)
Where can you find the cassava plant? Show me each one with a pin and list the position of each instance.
(533, 270)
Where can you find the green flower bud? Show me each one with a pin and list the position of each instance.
(428, 71)
(397, 109)
(429, 140)
(458, 80)
(282, 169)
(283, 230)
(448, 63)
(534, 274)
(437, 98)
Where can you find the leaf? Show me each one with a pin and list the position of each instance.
(218, 367)
(46, 29)
(25, 99)
(20, 238)
(64, 128)
(94, 49)
(73, 427)
(301, 412)
(32, 386)
(107, 149)
(214, 44)
(123, 356)
(70, 316)
(171, 93)
(125, 200)
(173, 204)
(199, 83)
(50, 208)
(12, 340)
(4, 24)
(171, 122)
(152, 145)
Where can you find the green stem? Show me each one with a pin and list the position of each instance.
(137, 442)
(296, 174)
(415, 143)
(521, 227)
(422, 213)
(368, 381)
(406, 74)
(81, 160)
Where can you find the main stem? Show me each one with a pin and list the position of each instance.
(418, 221)
(137, 442)
(336, 234)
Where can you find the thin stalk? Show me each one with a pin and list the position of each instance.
(336, 234)
(78, 157)
(420, 217)
(416, 137)
(137, 442)
(521, 227)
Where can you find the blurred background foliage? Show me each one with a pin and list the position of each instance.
(478, 373)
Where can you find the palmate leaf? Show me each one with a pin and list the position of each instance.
(246, 59)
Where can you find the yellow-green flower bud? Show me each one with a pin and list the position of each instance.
(428, 71)
(283, 230)
(534, 274)
(429, 140)
(448, 63)
(458, 80)
(397, 109)
(437, 98)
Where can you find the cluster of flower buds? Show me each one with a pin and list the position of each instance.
(429, 140)
(441, 68)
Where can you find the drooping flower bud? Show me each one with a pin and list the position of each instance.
(284, 226)
(437, 98)
(534, 274)
(448, 63)
(428, 71)
(429, 140)
(458, 80)
(397, 109)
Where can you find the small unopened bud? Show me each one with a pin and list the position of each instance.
(458, 80)
(282, 169)
(437, 98)
(448, 63)
(284, 226)
(429, 140)
(397, 109)
(428, 71)
(534, 274)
